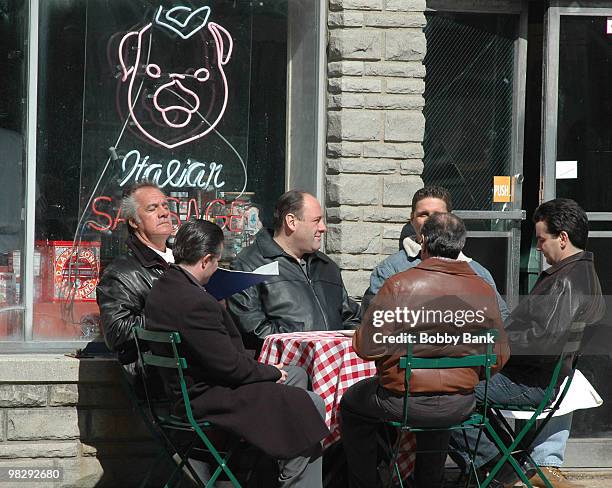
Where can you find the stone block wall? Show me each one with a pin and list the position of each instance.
(375, 129)
(57, 411)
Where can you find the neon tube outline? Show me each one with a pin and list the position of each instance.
(216, 31)
(182, 24)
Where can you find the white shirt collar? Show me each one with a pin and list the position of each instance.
(166, 256)
(413, 249)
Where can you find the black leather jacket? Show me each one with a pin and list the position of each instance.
(539, 327)
(121, 296)
(291, 301)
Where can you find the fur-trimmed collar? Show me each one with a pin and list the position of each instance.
(413, 249)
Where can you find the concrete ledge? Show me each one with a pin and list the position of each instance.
(588, 453)
(12, 450)
(57, 368)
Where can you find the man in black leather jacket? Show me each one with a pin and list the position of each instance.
(308, 294)
(127, 281)
(566, 293)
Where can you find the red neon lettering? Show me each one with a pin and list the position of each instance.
(174, 216)
(104, 215)
(217, 217)
(118, 219)
(196, 211)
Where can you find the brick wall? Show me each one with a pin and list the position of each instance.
(57, 411)
(375, 129)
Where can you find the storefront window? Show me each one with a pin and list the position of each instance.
(13, 29)
(469, 89)
(190, 96)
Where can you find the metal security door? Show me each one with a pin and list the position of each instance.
(577, 164)
(474, 118)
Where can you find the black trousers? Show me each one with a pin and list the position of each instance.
(366, 405)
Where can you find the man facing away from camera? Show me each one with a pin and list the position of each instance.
(440, 284)
(267, 405)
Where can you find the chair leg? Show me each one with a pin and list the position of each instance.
(221, 462)
(162, 455)
(185, 468)
(506, 457)
(393, 467)
(472, 460)
(517, 441)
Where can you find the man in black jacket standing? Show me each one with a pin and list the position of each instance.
(308, 294)
(127, 281)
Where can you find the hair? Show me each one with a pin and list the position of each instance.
(444, 235)
(563, 214)
(433, 192)
(129, 205)
(290, 202)
(195, 239)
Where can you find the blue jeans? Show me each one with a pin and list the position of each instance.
(501, 390)
(548, 449)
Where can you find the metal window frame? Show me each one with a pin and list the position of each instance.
(550, 101)
(27, 343)
(304, 153)
(30, 158)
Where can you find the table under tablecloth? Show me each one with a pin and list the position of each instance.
(333, 366)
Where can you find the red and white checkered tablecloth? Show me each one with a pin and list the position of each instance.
(332, 366)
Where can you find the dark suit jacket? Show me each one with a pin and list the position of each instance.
(226, 385)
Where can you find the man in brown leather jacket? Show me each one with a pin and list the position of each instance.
(438, 303)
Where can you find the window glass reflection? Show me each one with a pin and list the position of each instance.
(13, 29)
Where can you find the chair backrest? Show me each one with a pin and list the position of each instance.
(485, 361)
(571, 349)
(175, 362)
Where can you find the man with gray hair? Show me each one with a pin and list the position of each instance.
(127, 281)
(448, 300)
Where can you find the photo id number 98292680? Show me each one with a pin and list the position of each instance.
(48, 474)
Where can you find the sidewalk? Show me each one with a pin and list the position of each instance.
(590, 478)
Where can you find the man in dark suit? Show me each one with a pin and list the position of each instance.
(226, 385)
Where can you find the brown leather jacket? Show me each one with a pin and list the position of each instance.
(453, 303)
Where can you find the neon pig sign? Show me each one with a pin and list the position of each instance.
(177, 92)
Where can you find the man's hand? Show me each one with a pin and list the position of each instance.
(283, 377)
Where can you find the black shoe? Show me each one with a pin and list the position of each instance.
(507, 476)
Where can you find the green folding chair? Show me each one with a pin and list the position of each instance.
(170, 423)
(519, 439)
(166, 449)
(477, 420)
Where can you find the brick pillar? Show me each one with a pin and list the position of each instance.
(375, 129)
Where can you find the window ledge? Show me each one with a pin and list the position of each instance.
(57, 368)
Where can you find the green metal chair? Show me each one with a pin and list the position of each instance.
(521, 438)
(139, 401)
(477, 420)
(170, 423)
